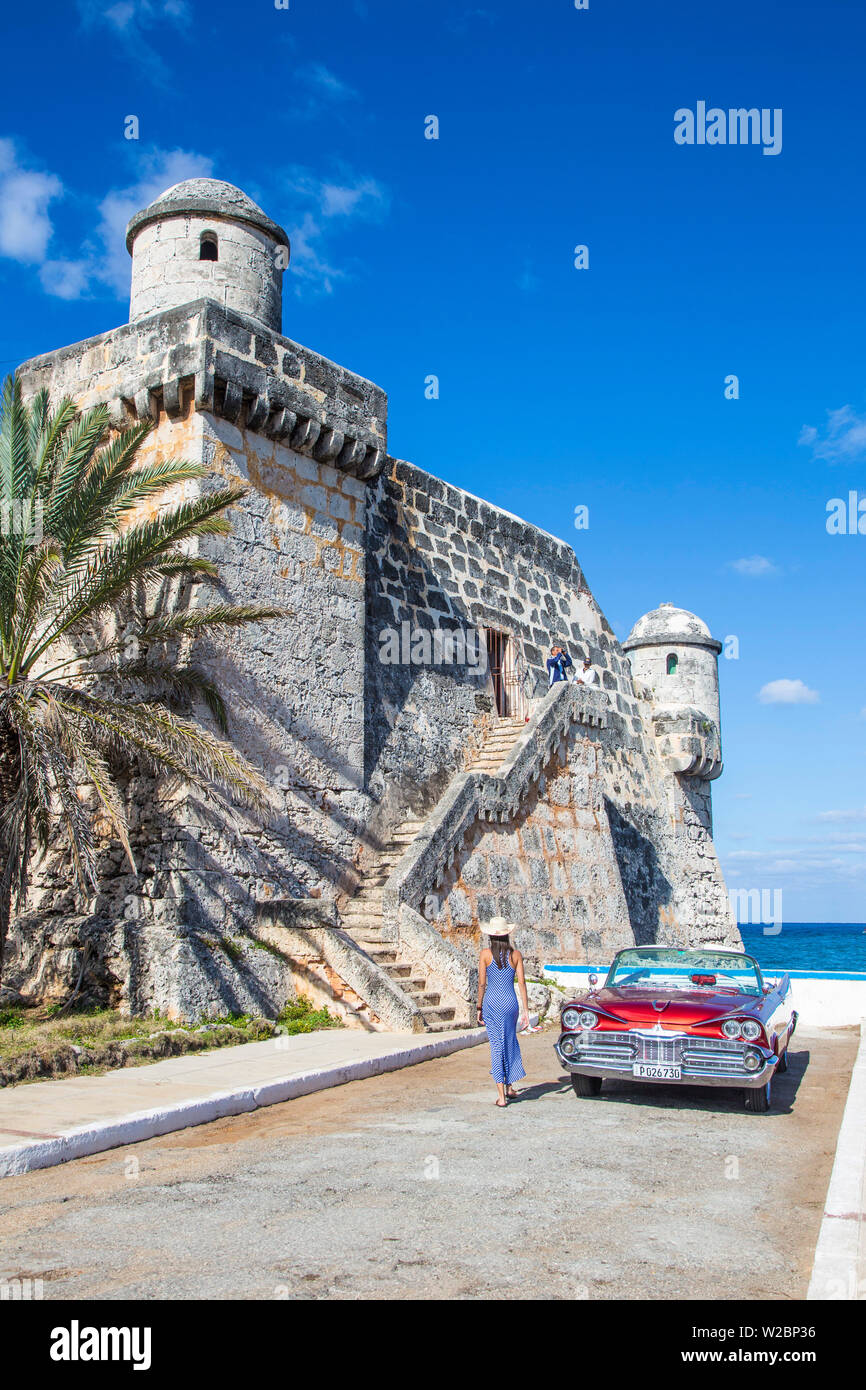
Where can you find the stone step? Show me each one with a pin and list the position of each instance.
(426, 1000)
(439, 1015)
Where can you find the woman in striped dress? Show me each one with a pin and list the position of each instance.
(498, 968)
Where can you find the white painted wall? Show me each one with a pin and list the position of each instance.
(822, 1001)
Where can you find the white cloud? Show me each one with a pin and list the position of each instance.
(754, 566)
(855, 815)
(317, 90)
(329, 202)
(65, 279)
(126, 16)
(162, 169)
(132, 21)
(843, 440)
(362, 199)
(25, 227)
(25, 197)
(787, 692)
(328, 83)
(324, 205)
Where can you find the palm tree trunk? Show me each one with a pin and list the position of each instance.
(10, 782)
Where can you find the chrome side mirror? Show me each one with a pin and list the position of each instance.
(593, 981)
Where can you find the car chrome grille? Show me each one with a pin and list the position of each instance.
(696, 1055)
(713, 1054)
(658, 1049)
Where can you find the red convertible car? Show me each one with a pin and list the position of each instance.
(702, 1017)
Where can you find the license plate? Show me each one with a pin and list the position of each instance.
(656, 1071)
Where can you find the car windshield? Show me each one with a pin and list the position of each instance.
(675, 969)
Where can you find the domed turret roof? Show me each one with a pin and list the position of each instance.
(205, 198)
(667, 624)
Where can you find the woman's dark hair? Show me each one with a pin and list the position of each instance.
(500, 947)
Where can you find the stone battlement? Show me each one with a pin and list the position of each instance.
(217, 360)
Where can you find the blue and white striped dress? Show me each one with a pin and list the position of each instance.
(500, 1012)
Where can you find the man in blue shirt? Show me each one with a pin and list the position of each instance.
(557, 665)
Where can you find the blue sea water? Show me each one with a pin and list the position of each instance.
(809, 946)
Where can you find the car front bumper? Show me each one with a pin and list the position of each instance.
(703, 1061)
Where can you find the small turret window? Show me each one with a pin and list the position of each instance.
(208, 247)
(672, 663)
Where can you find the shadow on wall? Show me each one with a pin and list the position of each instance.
(419, 600)
(408, 581)
(644, 886)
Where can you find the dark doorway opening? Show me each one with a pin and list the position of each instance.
(506, 673)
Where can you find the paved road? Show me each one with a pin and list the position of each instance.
(414, 1185)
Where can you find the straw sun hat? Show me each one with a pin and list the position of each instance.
(497, 926)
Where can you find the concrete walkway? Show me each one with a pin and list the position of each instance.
(839, 1271)
(50, 1122)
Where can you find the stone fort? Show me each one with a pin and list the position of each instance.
(414, 798)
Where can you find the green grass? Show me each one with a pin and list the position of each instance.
(303, 1018)
(39, 1043)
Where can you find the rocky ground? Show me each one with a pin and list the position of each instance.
(414, 1185)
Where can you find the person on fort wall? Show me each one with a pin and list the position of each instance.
(499, 967)
(558, 664)
(588, 675)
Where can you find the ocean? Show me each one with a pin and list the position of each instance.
(809, 946)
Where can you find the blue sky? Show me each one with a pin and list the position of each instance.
(558, 387)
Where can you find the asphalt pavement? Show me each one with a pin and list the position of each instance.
(414, 1185)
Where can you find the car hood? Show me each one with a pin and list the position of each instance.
(677, 1006)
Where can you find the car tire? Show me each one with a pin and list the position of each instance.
(782, 1064)
(585, 1086)
(758, 1099)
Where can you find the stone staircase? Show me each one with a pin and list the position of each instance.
(362, 919)
(362, 915)
(497, 745)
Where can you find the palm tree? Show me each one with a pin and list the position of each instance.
(94, 641)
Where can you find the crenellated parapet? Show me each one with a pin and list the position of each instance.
(205, 357)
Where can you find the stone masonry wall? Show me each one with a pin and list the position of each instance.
(609, 847)
(592, 862)
(294, 691)
(439, 557)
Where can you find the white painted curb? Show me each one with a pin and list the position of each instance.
(843, 1228)
(149, 1124)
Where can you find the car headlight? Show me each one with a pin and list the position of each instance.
(568, 1046)
(588, 1019)
(571, 1018)
(752, 1060)
(731, 1028)
(750, 1029)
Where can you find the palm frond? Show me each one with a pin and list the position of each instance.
(133, 558)
(198, 620)
(169, 742)
(101, 577)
